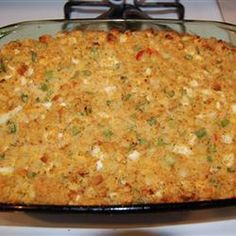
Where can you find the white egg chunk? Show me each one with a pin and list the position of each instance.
(47, 105)
(228, 159)
(193, 83)
(60, 135)
(103, 115)
(182, 149)
(7, 170)
(75, 61)
(110, 89)
(95, 151)
(123, 38)
(63, 104)
(218, 105)
(192, 139)
(23, 80)
(30, 72)
(134, 156)
(148, 71)
(227, 138)
(99, 165)
(7, 116)
(233, 106)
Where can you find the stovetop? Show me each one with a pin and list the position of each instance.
(12, 11)
(117, 9)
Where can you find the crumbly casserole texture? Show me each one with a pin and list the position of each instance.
(101, 118)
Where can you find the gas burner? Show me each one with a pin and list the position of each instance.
(120, 9)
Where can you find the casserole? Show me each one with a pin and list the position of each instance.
(218, 30)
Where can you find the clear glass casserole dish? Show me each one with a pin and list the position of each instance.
(34, 29)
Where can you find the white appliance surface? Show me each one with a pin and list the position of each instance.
(12, 11)
(188, 223)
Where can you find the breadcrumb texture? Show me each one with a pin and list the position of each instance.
(101, 118)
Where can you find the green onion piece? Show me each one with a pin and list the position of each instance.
(171, 93)
(132, 146)
(94, 53)
(108, 102)
(197, 50)
(183, 91)
(49, 93)
(126, 97)
(88, 110)
(31, 174)
(34, 56)
(75, 131)
(160, 142)
(2, 66)
(44, 87)
(230, 170)
(86, 72)
(152, 121)
(224, 123)
(188, 57)
(142, 141)
(47, 99)
(63, 176)
(211, 148)
(214, 181)
(76, 75)
(117, 66)
(170, 161)
(2, 156)
(12, 127)
(24, 97)
(108, 133)
(123, 78)
(201, 133)
(209, 159)
(48, 75)
(137, 47)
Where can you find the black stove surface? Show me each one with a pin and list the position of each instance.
(120, 9)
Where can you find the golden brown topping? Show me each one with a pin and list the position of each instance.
(116, 118)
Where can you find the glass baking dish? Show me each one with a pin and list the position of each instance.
(205, 29)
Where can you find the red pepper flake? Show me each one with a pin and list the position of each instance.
(139, 55)
(72, 194)
(216, 87)
(147, 191)
(22, 69)
(45, 38)
(150, 51)
(44, 158)
(169, 36)
(215, 137)
(111, 37)
(22, 172)
(56, 97)
(96, 180)
(147, 51)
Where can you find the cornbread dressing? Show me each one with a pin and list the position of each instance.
(105, 118)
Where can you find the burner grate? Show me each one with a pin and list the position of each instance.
(115, 9)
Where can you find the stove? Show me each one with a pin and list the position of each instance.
(13, 11)
(191, 223)
(117, 9)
